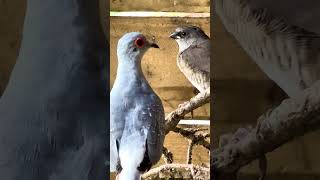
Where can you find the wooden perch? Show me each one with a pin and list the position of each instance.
(178, 171)
(293, 118)
(175, 116)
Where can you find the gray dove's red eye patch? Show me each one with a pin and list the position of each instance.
(139, 42)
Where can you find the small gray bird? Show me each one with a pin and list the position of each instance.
(194, 55)
(136, 113)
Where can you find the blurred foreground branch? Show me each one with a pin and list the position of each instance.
(292, 118)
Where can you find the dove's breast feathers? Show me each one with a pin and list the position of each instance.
(134, 109)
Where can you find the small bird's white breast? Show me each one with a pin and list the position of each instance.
(197, 79)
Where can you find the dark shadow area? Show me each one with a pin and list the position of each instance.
(55, 102)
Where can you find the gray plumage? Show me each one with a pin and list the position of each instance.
(282, 37)
(136, 113)
(53, 117)
(194, 55)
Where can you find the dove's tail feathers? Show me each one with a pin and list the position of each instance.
(113, 156)
(131, 153)
(129, 174)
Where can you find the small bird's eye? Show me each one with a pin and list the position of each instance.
(183, 33)
(139, 42)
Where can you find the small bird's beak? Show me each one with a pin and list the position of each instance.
(174, 35)
(154, 45)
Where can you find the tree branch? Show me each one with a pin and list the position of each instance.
(189, 153)
(198, 138)
(183, 171)
(172, 120)
(294, 117)
(178, 171)
(175, 116)
(167, 156)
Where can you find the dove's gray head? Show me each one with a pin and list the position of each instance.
(187, 35)
(132, 46)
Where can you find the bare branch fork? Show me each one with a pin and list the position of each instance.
(175, 116)
(292, 118)
(196, 136)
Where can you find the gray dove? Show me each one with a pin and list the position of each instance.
(194, 55)
(136, 113)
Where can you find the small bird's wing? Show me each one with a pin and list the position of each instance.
(198, 56)
(194, 62)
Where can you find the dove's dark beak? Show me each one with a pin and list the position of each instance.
(174, 35)
(154, 45)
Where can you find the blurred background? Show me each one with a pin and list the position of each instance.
(159, 65)
(243, 93)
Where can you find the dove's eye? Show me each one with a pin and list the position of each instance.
(139, 42)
